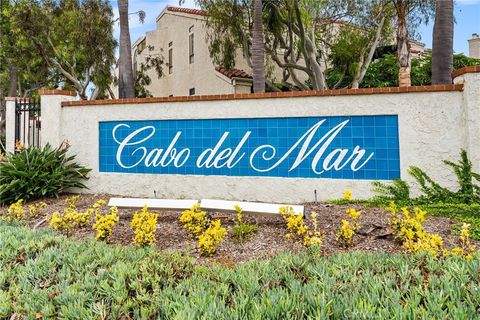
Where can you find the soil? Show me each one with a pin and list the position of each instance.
(374, 234)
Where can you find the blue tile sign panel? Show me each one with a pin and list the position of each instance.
(339, 147)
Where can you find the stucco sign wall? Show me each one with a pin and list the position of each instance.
(285, 147)
(336, 147)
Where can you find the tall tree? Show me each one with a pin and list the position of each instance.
(299, 35)
(74, 38)
(126, 82)
(442, 51)
(258, 48)
(410, 13)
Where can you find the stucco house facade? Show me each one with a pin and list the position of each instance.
(180, 38)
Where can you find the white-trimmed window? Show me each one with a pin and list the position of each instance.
(170, 58)
(191, 45)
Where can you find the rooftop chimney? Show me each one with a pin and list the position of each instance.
(474, 46)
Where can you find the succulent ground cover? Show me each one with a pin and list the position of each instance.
(269, 240)
(45, 275)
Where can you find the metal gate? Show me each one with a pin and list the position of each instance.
(27, 122)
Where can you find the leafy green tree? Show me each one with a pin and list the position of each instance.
(73, 38)
(383, 72)
(354, 47)
(298, 35)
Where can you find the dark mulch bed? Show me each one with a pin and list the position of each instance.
(373, 236)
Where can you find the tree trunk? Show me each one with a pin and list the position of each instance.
(13, 78)
(403, 47)
(258, 49)
(365, 63)
(126, 85)
(442, 51)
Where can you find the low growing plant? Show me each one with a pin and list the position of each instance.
(347, 195)
(36, 209)
(398, 190)
(144, 224)
(465, 248)
(15, 211)
(295, 222)
(116, 282)
(242, 230)
(468, 191)
(311, 236)
(409, 229)
(195, 220)
(38, 172)
(211, 238)
(104, 223)
(70, 218)
(349, 227)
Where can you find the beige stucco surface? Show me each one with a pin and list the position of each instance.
(432, 127)
(175, 28)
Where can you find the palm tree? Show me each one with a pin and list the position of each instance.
(442, 51)
(258, 48)
(403, 47)
(126, 85)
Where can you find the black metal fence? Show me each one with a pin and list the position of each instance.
(27, 122)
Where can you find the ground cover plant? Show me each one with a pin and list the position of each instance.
(38, 172)
(46, 275)
(461, 204)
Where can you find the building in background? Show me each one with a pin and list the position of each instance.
(180, 39)
(474, 46)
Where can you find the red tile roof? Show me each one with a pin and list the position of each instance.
(234, 73)
(187, 10)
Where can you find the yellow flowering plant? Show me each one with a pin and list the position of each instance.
(298, 228)
(409, 229)
(345, 234)
(19, 147)
(36, 209)
(144, 225)
(349, 227)
(407, 226)
(295, 222)
(15, 211)
(104, 224)
(194, 220)
(347, 195)
(65, 221)
(211, 238)
(465, 248)
(313, 237)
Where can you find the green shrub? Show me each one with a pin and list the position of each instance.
(398, 190)
(242, 230)
(62, 278)
(468, 192)
(38, 172)
(432, 192)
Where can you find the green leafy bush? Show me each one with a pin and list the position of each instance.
(58, 278)
(38, 172)
(432, 192)
(242, 230)
(468, 191)
(398, 190)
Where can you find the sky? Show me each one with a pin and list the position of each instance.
(467, 15)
